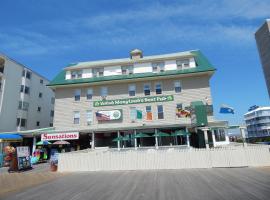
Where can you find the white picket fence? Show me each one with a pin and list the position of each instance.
(168, 158)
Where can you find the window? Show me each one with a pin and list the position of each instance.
(38, 123)
(41, 81)
(219, 135)
(146, 89)
(40, 95)
(76, 117)
(158, 67)
(28, 75)
(23, 73)
(76, 74)
(89, 94)
(149, 115)
(25, 89)
(133, 113)
(127, 69)
(177, 86)
(77, 95)
(39, 109)
(179, 106)
(182, 64)
(160, 112)
(23, 105)
(21, 122)
(89, 117)
(132, 90)
(179, 112)
(97, 72)
(51, 124)
(52, 113)
(52, 100)
(103, 91)
(158, 88)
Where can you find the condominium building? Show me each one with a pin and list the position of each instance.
(263, 43)
(258, 122)
(25, 101)
(140, 96)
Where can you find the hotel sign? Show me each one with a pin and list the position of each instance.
(60, 136)
(137, 100)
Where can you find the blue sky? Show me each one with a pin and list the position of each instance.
(48, 35)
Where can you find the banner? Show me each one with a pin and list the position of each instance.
(60, 136)
(108, 115)
(23, 157)
(138, 100)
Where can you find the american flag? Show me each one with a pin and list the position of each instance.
(102, 117)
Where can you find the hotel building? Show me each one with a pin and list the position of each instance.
(26, 102)
(258, 122)
(111, 100)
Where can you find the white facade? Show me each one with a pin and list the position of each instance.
(25, 101)
(258, 122)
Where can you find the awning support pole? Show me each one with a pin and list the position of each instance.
(34, 145)
(156, 138)
(188, 142)
(206, 138)
(135, 139)
(118, 141)
(93, 140)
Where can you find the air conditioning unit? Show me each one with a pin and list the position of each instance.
(103, 97)
(133, 121)
(89, 123)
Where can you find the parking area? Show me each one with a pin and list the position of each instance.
(222, 183)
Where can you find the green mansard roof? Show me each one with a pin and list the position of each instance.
(203, 65)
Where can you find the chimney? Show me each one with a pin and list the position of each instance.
(136, 54)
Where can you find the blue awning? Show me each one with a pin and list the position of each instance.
(8, 136)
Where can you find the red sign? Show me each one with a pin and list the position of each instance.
(60, 136)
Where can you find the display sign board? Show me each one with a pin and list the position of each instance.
(60, 136)
(198, 114)
(23, 157)
(108, 115)
(137, 100)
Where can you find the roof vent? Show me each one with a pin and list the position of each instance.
(136, 54)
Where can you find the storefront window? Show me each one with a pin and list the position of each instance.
(158, 88)
(177, 87)
(89, 117)
(76, 118)
(132, 90)
(146, 89)
(89, 94)
(219, 135)
(149, 115)
(160, 112)
(77, 95)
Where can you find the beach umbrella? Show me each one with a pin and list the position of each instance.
(61, 142)
(43, 143)
(141, 135)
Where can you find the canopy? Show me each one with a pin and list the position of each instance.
(160, 134)
(141, 135)
(180, 133)
(43, 143)
(8, 136)
(121, 138)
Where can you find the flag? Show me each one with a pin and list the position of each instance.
(226, 109)
(102, 117)
(139, 114)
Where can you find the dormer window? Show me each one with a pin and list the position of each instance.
(98, 72)
(76, 74)
(158, 67)
(182, 64)
(127, 69)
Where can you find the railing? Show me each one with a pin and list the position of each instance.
(166, 158)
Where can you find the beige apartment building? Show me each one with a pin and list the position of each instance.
(138, 101)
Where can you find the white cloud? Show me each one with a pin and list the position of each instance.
(212, 22)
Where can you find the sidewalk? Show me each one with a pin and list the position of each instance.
(11, 182)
